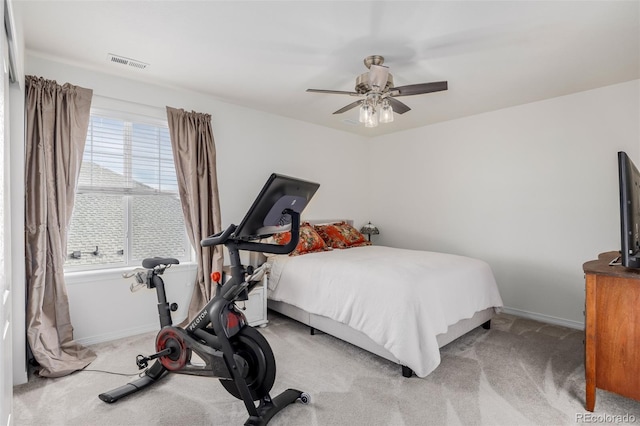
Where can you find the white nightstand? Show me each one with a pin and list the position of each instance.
(256, 307)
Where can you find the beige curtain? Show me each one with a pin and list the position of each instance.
(57, 119)
(194, 154)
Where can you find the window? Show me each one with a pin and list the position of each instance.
(127, 205)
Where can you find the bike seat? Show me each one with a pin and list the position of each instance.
(152, 262)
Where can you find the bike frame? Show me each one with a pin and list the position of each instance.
(226, 321)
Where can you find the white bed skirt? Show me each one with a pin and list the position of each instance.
(361, 340)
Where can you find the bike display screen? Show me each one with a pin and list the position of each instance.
(266, 217)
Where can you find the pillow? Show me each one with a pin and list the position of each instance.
(309, 242)
(341, 235)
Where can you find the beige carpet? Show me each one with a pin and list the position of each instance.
(520, 372)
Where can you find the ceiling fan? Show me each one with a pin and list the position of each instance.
(378, 93)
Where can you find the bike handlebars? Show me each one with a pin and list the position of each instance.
(219, 238)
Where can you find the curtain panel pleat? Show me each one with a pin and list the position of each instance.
(194, 155)
(57, 118)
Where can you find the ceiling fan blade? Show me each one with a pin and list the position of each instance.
(378, 76)
(398, 106)
(336, 92)
(418, 89)
(348, 107)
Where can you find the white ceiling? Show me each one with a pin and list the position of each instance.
(265, 54)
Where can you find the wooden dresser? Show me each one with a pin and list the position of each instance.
(612, 329)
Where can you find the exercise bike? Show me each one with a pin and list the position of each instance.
(232, 351)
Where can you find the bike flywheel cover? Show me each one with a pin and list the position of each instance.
(170, 338)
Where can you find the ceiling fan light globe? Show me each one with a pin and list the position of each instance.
(363, 114)
(386, 113)
(372, 119)
(366, 112)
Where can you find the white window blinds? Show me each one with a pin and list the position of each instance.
(127, 206)
(127, 157)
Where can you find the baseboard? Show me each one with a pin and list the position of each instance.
(107, 337)
(544, 318)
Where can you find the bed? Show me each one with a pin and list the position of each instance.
(399, 304)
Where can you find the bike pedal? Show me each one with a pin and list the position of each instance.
(142, 362)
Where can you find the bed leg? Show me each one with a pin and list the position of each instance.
(406, 371)
(312, 331)
(487, 325)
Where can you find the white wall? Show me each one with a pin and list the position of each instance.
(531, 189)
(16, 194)
(103, 308)
(250, 146)
(6, 299)
(16, 191)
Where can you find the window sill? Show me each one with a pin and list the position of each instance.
(82, 277)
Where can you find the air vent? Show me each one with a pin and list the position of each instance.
(121, 60)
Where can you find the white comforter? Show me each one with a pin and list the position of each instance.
(401, 299)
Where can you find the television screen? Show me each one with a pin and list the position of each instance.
(629, 182)
(265, 217)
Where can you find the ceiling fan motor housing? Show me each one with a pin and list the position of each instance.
(363, 85)
(373, 60)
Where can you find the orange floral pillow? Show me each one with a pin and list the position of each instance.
(309, 242)
(341, 235)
